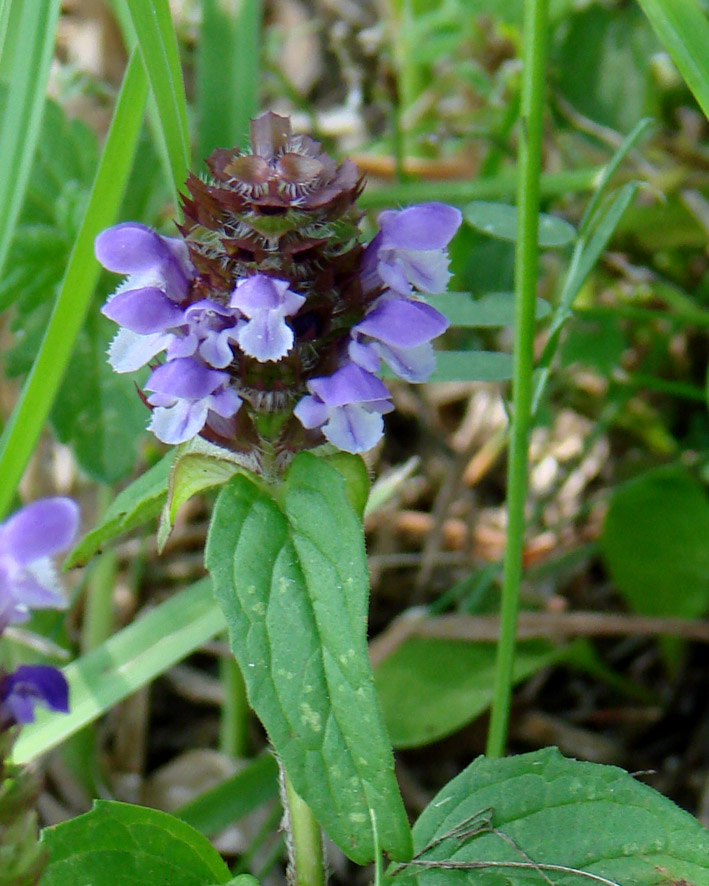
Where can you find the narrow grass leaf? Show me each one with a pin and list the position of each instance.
(470, 366)
(158, 45)
(135, 505)
(32, 28)
(128, 660)
(25, 424)
(683, 28)
(291, 577)
(228, 72)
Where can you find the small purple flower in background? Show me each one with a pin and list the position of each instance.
(28, 686)
(270, 307)
(28, 581)
(27, 541)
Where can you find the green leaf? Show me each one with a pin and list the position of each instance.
(158, 45)
(198, 465)
(125, 662)
(492, 309)
(601, 65)
(135, 505)
(500, 220)
(228, 68)
(654, 543)
(356, 475)
(292, 580)
(503, 817)
(471, 366)
(430, 687)
(682, 27)
(97, 410)
(25, 424)
(117, 844)
(234, 798)
(25, 57)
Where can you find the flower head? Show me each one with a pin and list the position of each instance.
(271, 307)
(27, 542)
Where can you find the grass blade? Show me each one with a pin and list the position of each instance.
(683, 29)
(25, 424)
(24, 63)
(128, 660)
(228, 69)
(158, 45)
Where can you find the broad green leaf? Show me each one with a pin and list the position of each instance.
(125, 662)
(655, 543)
(197, 465)
(135, 505)
(25, 424)
(356, 474)
(158, 45)
(234, 798)
(500, 220)
(493, 309)
(682, 27)
(292, 580)
(541, 818)
(117, 844)
(430, 687)
(471, 366)
(24, 61)
(601, 65)
(97, 411)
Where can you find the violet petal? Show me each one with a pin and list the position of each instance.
(403, 322)
(353, 428)
(180, 422)
(30, 685)
(185, 378)
(40, 529)
(425, 226)
(144, 311)
(349, 384)
(129, 350)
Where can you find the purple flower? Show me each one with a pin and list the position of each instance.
(27, 541)
(347, 406)
(410, 249)
(148, 303)
(209, 331)
(266, 302)
(27, 686)
(185, 393)
(399, 330)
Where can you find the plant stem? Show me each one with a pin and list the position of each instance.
(526, 261)
(305, 847)
(97, 625)
(233, 728)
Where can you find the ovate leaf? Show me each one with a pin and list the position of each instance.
(430, 687)
(500, 220)
(117, 844)
(655, 543)
(291, 578)
(541, 818)
(472, 366)
(492, 309)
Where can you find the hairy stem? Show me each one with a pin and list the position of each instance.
(305, 847)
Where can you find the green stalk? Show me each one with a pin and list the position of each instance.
(98, 608)
(305, 847)
(526, 262)
(234, 724)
